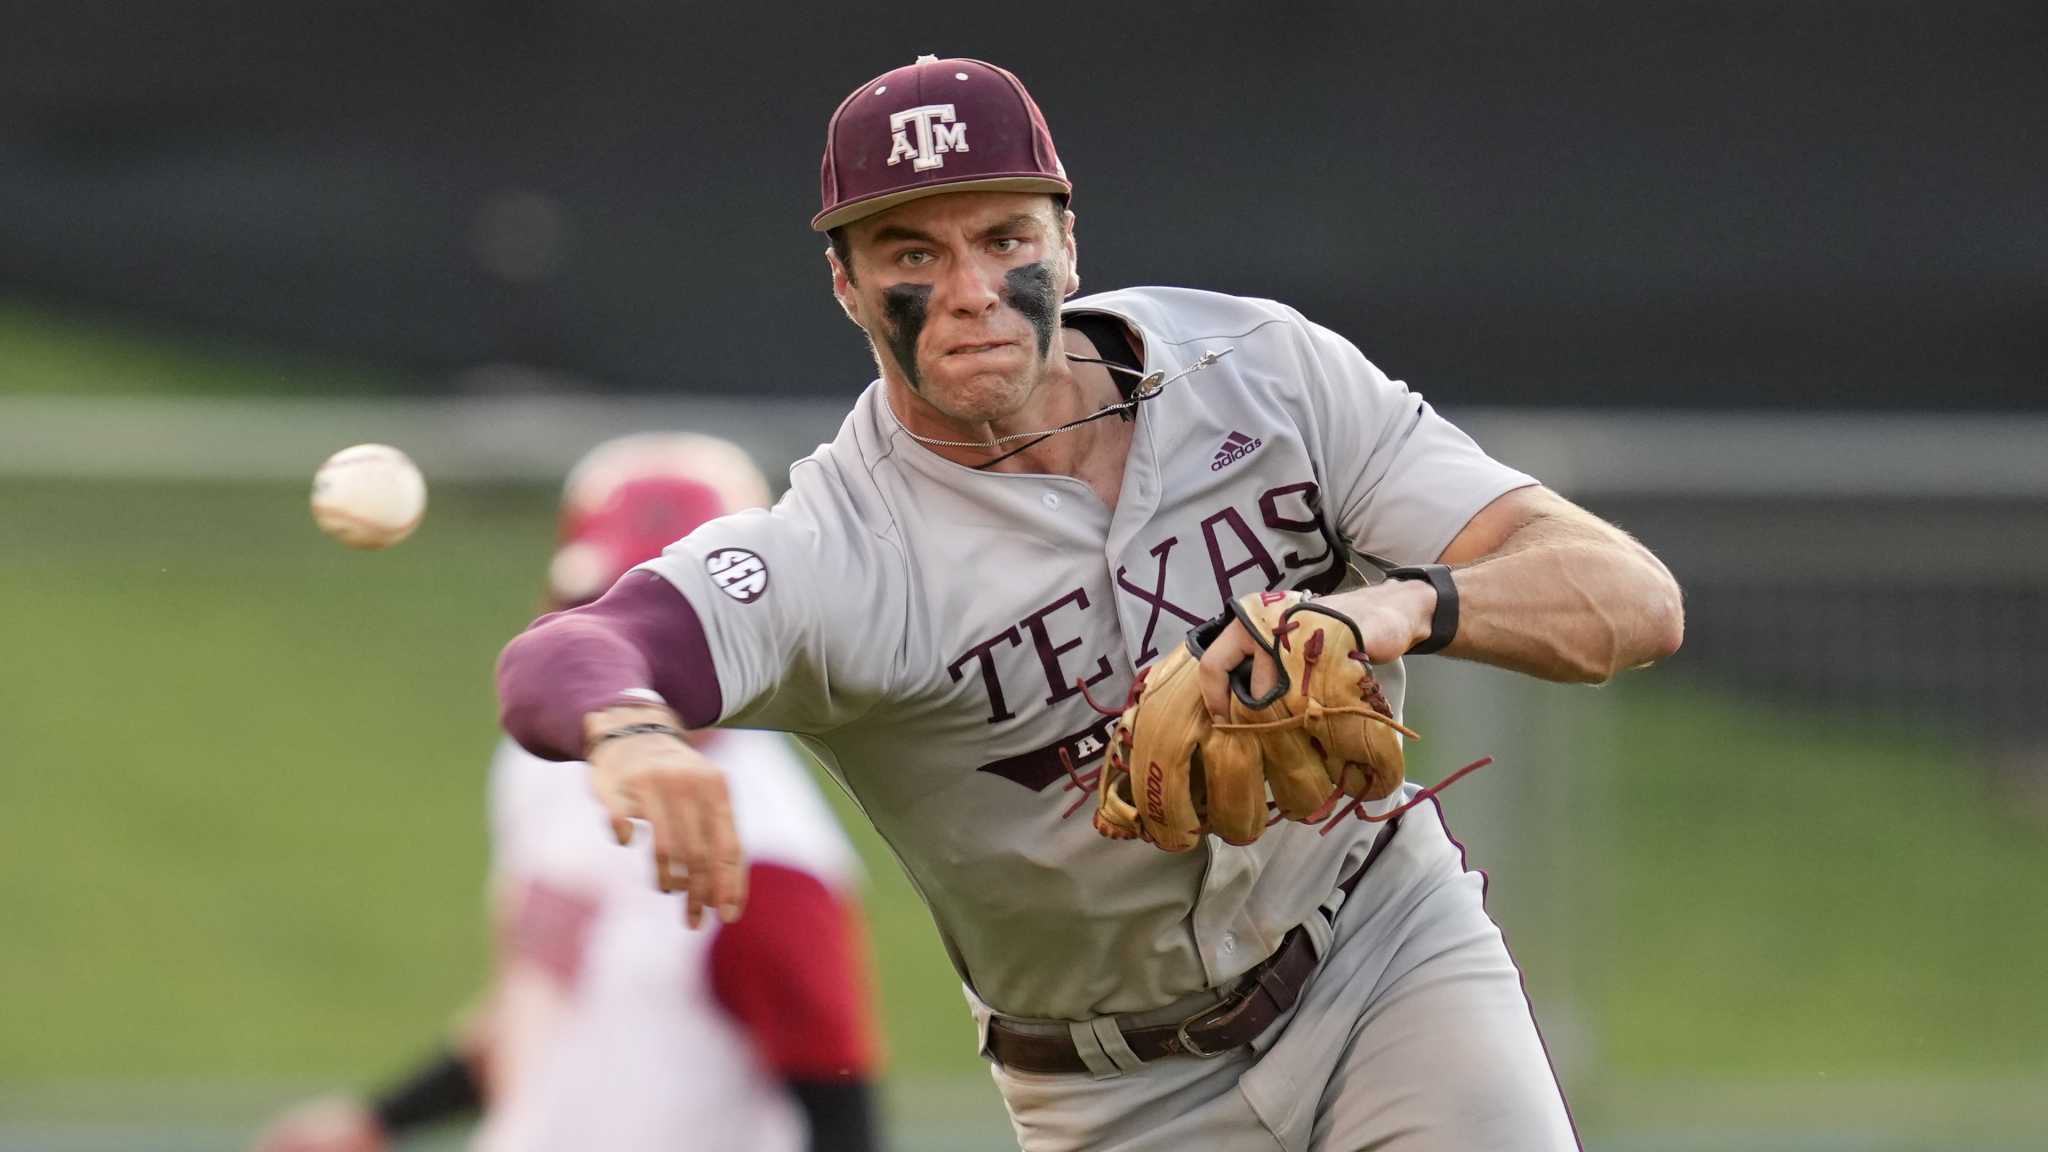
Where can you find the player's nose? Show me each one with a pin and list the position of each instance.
(972, 288)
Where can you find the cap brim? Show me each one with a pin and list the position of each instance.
(860, 209)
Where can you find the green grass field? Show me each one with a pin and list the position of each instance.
(242, 809)
(70, 352)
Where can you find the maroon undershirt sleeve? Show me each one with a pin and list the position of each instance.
(641, 634)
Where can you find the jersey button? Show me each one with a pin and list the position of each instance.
(1052, 499)
(1229, 943)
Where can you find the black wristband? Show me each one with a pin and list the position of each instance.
(637, 730)
(1443, 623)
(444, 1088)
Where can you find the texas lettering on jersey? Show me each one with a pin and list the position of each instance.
(1298, 551)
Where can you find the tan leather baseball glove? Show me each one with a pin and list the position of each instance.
(1174, 774)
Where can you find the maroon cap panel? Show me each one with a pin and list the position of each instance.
(934, 126)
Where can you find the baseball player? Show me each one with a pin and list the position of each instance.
(1045, 504)
(608, 1025)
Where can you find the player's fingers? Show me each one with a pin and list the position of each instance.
(736, 905)
(688, 864)
(704, 863)
(1265, 673)
(666, 869)
(728, 895)
(1223, 655)
(619, 801)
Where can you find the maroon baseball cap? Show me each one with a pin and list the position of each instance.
(935, 126)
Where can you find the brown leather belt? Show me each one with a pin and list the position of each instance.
(1259, 997)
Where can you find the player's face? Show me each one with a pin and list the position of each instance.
(960, 295)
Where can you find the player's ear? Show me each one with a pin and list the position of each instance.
(1073, 283)
(842, 287)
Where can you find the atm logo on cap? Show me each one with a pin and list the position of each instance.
(936, 133)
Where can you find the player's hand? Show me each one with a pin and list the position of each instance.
(682, 797)
(1391, 617)
(1231, 648)
(334, 1124)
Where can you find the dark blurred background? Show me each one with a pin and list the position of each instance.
(1833, 205)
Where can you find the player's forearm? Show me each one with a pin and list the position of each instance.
(641, 636)
(557, 670)
(1568, 598)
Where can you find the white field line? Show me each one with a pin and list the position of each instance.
(1582, 452)
(463, 439)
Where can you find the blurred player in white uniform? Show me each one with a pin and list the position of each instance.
(609, 1025)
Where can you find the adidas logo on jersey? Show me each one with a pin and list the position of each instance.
(1236, 446)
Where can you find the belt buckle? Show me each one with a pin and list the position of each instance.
(1218, 1013)
(1187, 1043)
(1224, 1010)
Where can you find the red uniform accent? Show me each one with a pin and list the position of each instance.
(794, 971)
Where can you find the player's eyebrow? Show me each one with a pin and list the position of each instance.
(1010, 225)
(894, 233)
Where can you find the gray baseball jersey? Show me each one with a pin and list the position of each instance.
(927, 628)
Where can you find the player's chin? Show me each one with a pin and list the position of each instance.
(978, 390)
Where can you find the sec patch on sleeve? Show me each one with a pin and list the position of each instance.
(739, 573)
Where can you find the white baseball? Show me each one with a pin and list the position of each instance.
(369, 496)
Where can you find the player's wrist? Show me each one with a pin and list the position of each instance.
(629, 720)
(1434, 592)
(1420, 605)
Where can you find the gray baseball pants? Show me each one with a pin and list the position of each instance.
(1414, 1035)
